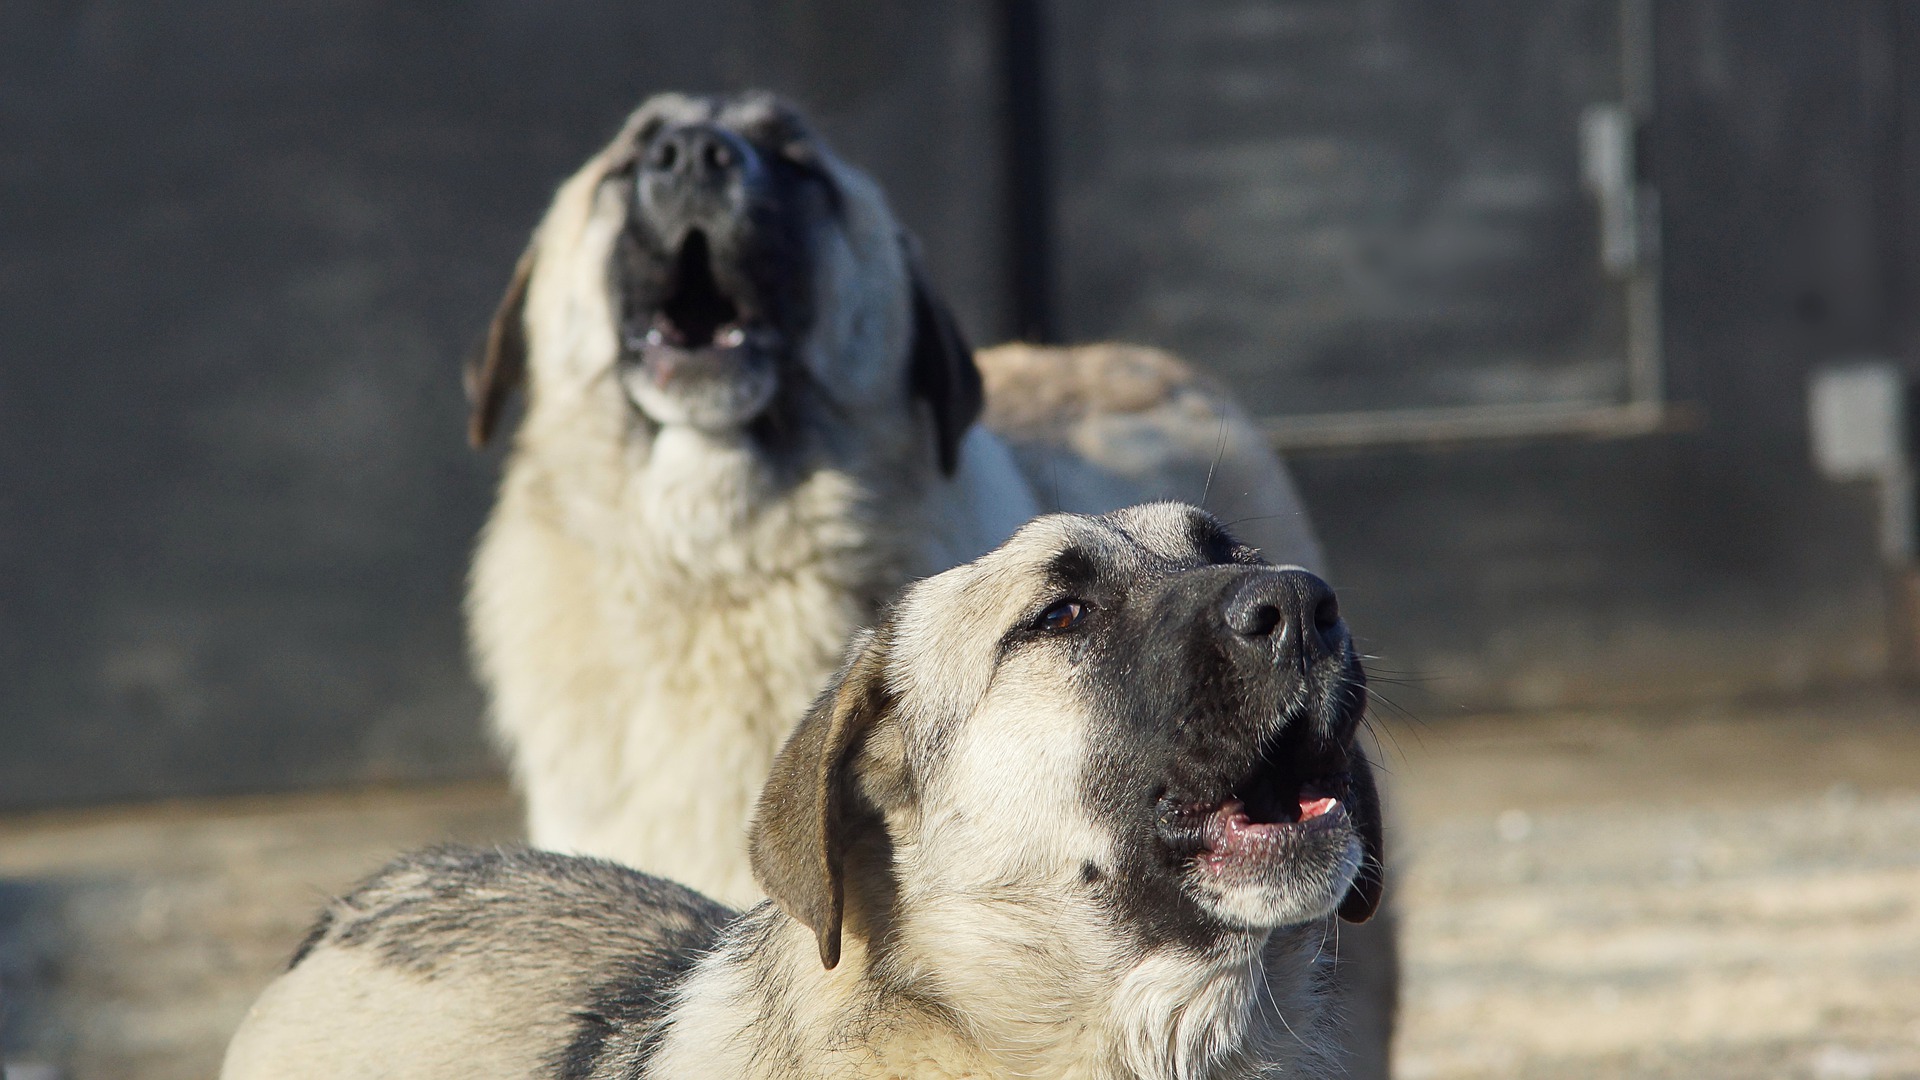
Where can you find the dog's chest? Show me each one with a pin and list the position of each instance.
(710, 518)
(652, 644)
(724, 609)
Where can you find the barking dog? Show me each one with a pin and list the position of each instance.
(1077, 809)
(749, 422)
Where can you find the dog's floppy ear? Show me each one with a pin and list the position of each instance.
(941, 370)
(799, 838)
(1363, 802)
(501, 365)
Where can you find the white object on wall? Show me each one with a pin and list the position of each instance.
(1856, 415)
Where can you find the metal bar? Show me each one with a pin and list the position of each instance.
(1645, 411)
(1026, 177)
(1646, 361)
(1636, 57)
(1471, 423)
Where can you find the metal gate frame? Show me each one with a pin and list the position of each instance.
(1629, 206)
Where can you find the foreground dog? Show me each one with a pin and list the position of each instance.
(1076, 809)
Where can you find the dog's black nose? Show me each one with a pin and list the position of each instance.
(697, 156)
(1290, 611)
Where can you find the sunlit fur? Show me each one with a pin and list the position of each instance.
(653, 605)
(651, 610)
(997, 958)
(975, 943)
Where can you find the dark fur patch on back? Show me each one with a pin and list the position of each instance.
(320, 927)
(627, 1022)
(426, 909)
(634, 1004)
(608, 943)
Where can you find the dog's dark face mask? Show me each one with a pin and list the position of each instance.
(1225, 756)
(1134, 714)
(713, 275)
(758, 284)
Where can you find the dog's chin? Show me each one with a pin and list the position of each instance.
(713, 389)
(1277, 844)
(1265, 876)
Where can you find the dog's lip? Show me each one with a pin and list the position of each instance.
(1231, 839)
(1304, 807)
(1296, 788)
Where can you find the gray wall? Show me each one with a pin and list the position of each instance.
(243, 248)
(1713, 561)
(1342, 207)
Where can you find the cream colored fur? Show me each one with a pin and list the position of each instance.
(651, 610)
(650, 616)
(345, 1015)
(1071, 1015)
(975, 946)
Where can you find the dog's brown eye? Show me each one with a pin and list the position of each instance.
(1063, 615)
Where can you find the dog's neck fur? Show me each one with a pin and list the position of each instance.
(751, 580)
(1254, 1010)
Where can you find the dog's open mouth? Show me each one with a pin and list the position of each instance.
(697, 353)
(1297, 789)
(696, 320)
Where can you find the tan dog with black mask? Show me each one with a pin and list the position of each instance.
(1079, 808)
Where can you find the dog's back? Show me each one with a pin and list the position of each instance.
(476, 964)
(1098, 427)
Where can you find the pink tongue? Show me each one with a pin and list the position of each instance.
(1313, 808)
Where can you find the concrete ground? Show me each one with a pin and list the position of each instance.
(1722, 892)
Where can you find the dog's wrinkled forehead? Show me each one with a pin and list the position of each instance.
(950, 627)
(1179, 537)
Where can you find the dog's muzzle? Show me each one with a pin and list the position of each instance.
(701, 354)
(1275, 815)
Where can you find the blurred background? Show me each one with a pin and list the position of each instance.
(1588, 327)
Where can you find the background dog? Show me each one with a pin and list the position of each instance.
(1078, 808)
(749, 422)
